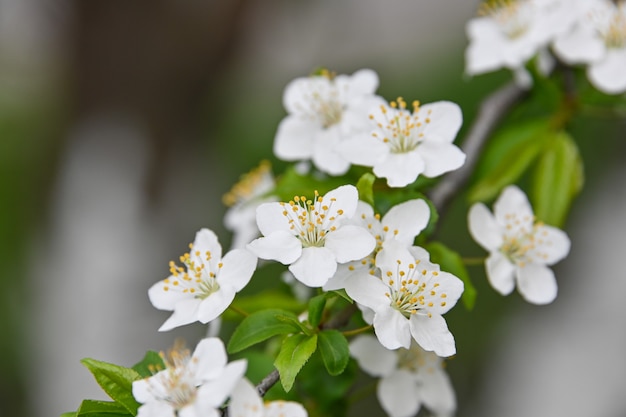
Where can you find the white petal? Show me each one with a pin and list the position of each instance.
(580, 45)
(197, 410)
(392, 328)
(449, 285)
(500, 273)
(363, 81)
(343, 198)
(363, 150)
(398, 394)
(156, 409)
(279, 246)
(185, 312)
(400, 169)
(392, 254)
(513, 201)
(206, 240)
(445, 121)
(484, 228)
(437, 392)
(552, 245)
(295, 138)
(270, 218)
(372, 357)
(210, 359)
(367, 290)
(609, 74)
(350, 243)
(166, 299)
(536, 283)
(215, 304)
(245, 401)
(484, 51)
(325, 156)
(213, 393)
(284, 409)
(238, 267)
(440, 158)
(408, 219)
(315, 267)
(142, 390)
(432, 334)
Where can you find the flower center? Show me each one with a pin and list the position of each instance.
(177, 381)
(615, 33)
(322, 102)
(413, 290)
(198, 279)
(511, 16)
(400, 129)
(417, 359)
(253, 184)
(311, 220)
(522, 244)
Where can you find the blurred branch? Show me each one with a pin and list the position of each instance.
(491, 111)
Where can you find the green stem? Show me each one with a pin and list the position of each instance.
(238, 310)
(356, 331)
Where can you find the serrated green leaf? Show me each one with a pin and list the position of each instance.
(451, 261)
(557, 179)
(316, 309)
(365, 185)
(294, 352)
(334, 350)
(151, 363)
(509, 154)
(116, 381)
(260, 326)
(93, 408)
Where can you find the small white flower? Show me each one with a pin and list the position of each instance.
(243, 199)
(599, 40)
(190, 386)
(246, 402)
(410, 378)
(311, 235)
(519, 247)
(402, 223)
(409, 300)
(508, 33)
(324, 110)
(206, 286)
(405, 144)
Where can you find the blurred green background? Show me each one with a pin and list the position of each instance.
(123, 123)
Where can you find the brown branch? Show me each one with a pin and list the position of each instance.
(268, 382)
(491, 111)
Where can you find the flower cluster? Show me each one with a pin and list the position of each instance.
(508, 33)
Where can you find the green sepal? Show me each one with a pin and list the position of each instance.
(365, 185)
(558, 178)
(151, 363)
(334, 349)
(294, 353)
(316, 309)
(262, 325)
(451, 261)
(94, 408)
(116, 381)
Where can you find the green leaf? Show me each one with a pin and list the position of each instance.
(316, 309)
(452, 262)
(291, 183)
(93, 408)
(509, 155)
(151, 363)
(116, 381)
(69, 414)
(294, 352)
(334, 349)
(262, 325)
(557, 179)
(365, 185)
(267, 299)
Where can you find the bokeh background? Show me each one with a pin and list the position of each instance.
(123, 123)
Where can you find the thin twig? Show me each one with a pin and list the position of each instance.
(267, 382)
(491, 111)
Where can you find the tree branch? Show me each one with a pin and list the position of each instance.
(491, 111)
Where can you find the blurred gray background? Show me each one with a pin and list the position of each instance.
(123, 123)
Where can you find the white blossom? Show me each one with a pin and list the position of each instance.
(311, 236)
(409, 378)
(520, 248)
(409, 300)
(246, 402)
(189, 386)
(403, 145)
(206, 285)
(324, 110)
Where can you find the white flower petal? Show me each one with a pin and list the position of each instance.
(398, 394)
(580, 45)
(445, 118)
(440, 158)
(513, 201)
(343, 198)
(142, 389)
(156, 409)
(552, 245)
(484, 228)
(350, 243)
(432, 334)
(295, 138)
(238, 267)
(367, 290)
(215, 304)
(315, 267)
(363, 150)
(437, 392)
(185, 312)
(284, 409)
(400, 169)
(279, 246)
(363, 82)
(206, 240)
(163, 299)
(325, 155)
(449, 285)
(392, 253)
(392, 328)
(536, 283)
(609, 74)
(209, 358)
(213, 393)
(500, 273)
(270, 218)
(408, 219)
(372, 357)
(245, 401)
